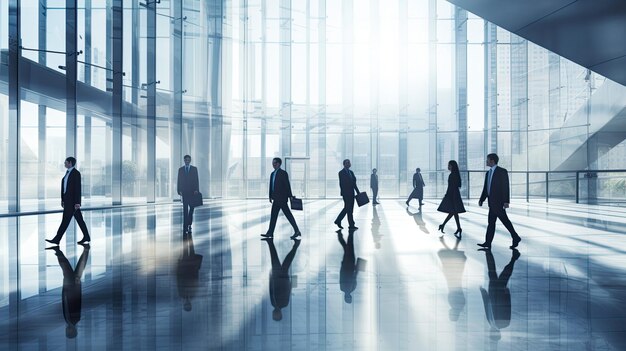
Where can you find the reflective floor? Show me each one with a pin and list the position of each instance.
(394, 284)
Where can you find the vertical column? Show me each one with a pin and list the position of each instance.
(217, 144)
(403, 102)
(374, 50)
(13, 176)
(491, 88)
(554, 106)
(460, 63)
(71, 55)
(151, 9)
(347, 94)
(41, 153)
(86, 161)
(321, 92)
(285, 76)
(117, 19)
(264, 168)
(41, 125)
(176, 121)
(519, 109)
(432, 89)
(14, 107)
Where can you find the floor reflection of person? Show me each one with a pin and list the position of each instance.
(453, 264)
(497, 298)
(417, 217)
(280, 281)
(376, 229)
(348, 271)
(187, 272)
(72, 293)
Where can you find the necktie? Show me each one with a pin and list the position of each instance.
(273, 178)
(489, 185)
(187, 169)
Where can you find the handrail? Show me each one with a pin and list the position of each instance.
(587, 174)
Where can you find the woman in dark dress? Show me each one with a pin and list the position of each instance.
(452, 203)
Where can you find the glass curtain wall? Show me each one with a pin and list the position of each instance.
(233, 83)
(4, 107)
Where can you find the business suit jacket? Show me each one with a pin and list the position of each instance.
(73, 194)
(347, 183)
(188, 183)
(499, 188)
(374, 181)
(282, 186)
(418, 181)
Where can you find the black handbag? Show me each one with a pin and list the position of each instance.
(196, 200)
(296, 204)
(362, 199)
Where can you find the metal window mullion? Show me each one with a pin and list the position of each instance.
(117, 46)
(151, 9)
(71, 56)
(176, 122)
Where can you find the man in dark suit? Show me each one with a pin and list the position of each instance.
(347, 183)
(188, 186)
(374, 185)
(70, 201)
(496, 189)
(418, 188)
(279, 193)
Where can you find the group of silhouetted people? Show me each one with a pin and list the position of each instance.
(495, 191)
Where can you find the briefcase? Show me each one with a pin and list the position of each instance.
(296, 204)
(196, 200)
(361, 264)
(362, 199)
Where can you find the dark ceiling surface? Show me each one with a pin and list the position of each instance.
(591, 33)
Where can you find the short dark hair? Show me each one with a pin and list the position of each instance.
(277, 160)
(71, 160)
(186, 156)
(346, 160)
(493, 157)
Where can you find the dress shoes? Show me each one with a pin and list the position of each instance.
(485, 245)
(338, 224)
(515, 242)
(84, 241)
(296, 235)
(52, 242)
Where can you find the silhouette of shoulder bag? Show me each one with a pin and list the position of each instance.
(196, 200)
(296, 204)
(362, 199)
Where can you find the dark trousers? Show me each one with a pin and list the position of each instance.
(411, 197)
(68, 213)
(187, 211)
(348, 208)
(497, 212)
(277, 206)
(375, 192)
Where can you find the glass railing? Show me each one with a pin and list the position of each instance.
(581, 186)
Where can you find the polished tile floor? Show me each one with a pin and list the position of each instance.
(394, 284)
